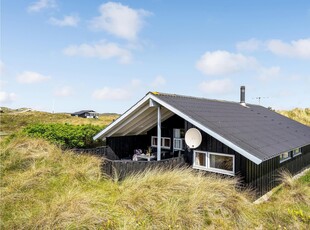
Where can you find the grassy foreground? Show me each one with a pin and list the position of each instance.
(43, 187)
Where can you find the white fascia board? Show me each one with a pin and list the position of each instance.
(207, 130)
(122, 117)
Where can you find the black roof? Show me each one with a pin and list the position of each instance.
(256, 129)
(82, 112)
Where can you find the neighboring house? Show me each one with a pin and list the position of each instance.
(238, 139)
(85, 114)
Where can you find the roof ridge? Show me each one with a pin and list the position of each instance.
(193, 97)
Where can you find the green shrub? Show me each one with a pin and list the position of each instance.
(65, 135)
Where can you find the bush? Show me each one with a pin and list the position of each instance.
(65, 135)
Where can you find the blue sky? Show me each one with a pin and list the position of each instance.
(72, 55)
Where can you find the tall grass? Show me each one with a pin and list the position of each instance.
(44, 187)
(300, 115)
(12, 122)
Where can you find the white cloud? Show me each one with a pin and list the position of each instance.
(108, 93)
(29, 77)
(7, 98)
(117, 94)
(103, 49)
(249, 45)
(41, 4)
(119, 20)
(158, 81)
(68, 20)
(223, 86)
(268, 74)
(222, 62)
(64, 91)
(298, 49)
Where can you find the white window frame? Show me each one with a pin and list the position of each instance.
(297, 153)
(285, 159)
(178, 142)
(162, 142)
(211, 169)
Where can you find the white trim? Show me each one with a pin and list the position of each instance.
(144, 119)
(209, 131)
(125, 115)
(298, 153)
(164, 116)
(131, 119)
(207, 160)
(162, 142)
(179, 140)
(295, 155)
(185, 117)
(159, 138)
(222, 170)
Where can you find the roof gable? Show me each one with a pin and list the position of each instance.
(253, 131)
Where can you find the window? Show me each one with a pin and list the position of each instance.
(285, 156)
(200, 159)
(178, 144)
(296, 152)
(165, 142)
(214, 162)
(221, 162)
(178, 139)
(154, 141)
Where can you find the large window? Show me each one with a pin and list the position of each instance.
(222, 162)
(215, 162)
(165, 142)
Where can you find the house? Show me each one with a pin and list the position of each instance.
(85, 114)
(231, 138)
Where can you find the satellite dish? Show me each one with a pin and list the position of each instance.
(193, 138)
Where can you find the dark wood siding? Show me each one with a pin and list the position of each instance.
(210, 144)
(265, 176)
(262, 178)
(174, 122)
(124, 146)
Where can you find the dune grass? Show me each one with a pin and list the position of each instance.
(297, 114)
(44, 187)
(14, 121)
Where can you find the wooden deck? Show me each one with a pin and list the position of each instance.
(119, 169)
(113, 167)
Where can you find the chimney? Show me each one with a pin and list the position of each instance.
(242, 95)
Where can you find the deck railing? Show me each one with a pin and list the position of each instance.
(118, 169)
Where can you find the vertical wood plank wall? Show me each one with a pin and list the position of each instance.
(262, 178)
(265, 176)
(124, 146)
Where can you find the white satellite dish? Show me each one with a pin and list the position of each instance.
(193, 138)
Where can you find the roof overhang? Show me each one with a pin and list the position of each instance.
(143, 116)
(137, 120)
